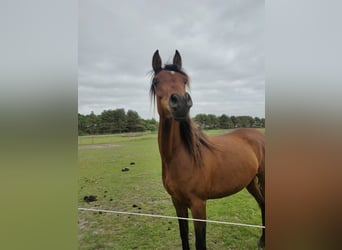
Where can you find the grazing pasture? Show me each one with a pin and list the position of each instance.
(140, 190)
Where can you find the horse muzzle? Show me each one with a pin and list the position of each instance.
(180, 106)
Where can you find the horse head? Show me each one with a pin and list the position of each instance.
(169, 86)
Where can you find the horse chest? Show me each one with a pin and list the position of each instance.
(175, 184)
(170, 186)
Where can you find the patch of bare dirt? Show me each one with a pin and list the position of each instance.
(96, 146)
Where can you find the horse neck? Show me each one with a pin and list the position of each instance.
(181, 138)
(169, 138)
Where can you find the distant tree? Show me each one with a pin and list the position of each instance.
(263, 122)
(134, 122)
(151, 125)
(257, 122)
(246, 121)
(87, 124)
(82, 124)
(225, 122)
(92, 123)
(202, 120)
(213, 122)
(236, 121)
(106, 122)
(113, 121)
(120, 120)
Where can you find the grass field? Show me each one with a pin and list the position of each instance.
(140, 190)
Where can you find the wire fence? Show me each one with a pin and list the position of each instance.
(169, 217)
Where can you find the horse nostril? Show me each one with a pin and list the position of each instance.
(174, 100)
(188, 100)
(189, 103)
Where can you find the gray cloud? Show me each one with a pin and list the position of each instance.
(221, 45)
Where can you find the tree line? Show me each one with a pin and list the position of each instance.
(114, 121)
(120, 121)
(210, 121)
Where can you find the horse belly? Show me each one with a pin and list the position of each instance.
(220, 193)
(230, 178)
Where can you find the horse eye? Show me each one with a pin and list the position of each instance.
(185, 81)
(155, 81)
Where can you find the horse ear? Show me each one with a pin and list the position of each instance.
(177, 60)
(156, 61)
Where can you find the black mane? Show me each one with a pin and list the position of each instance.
(174, 67)
(194, 140)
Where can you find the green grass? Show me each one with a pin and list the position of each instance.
(100, 174)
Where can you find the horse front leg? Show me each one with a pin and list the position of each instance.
(198, 211)
(182, 211)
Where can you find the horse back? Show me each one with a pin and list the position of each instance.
(253, 138)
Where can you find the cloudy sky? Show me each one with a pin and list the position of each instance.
(221, 44)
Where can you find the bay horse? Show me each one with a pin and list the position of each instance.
(196, 167)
